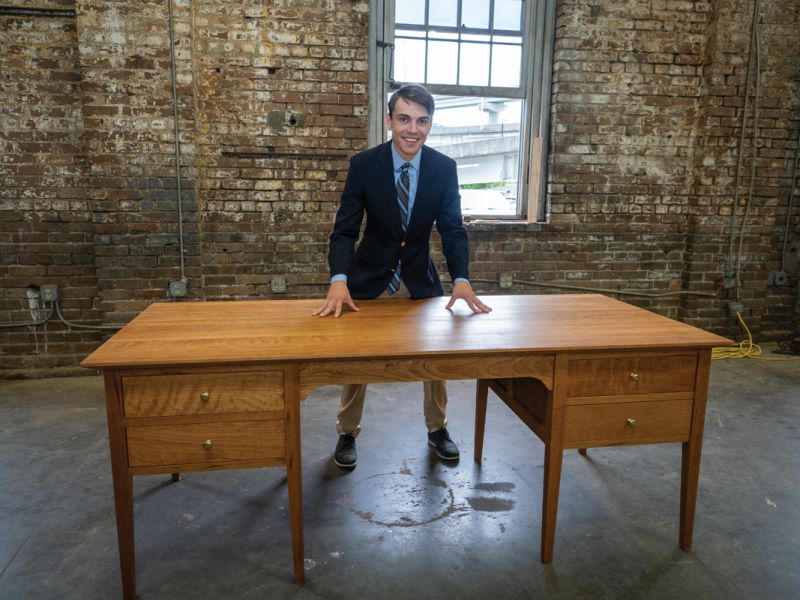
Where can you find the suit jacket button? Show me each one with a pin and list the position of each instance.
(403, 243)
(391, 270)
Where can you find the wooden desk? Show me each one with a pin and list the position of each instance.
(197, 386)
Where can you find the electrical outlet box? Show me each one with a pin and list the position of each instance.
(277, 285)
(735, 307)
(506, 280)
(49, 293)
(777, 278)
(178, 288)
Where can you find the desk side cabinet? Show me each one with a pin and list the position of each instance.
(609, 399)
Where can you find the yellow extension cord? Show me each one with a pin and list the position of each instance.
(745, 348)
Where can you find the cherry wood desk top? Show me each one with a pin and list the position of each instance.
(242, 332)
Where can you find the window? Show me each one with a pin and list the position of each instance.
(484, 61)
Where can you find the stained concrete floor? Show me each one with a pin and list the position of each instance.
(402, 524)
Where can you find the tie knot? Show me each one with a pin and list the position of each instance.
(405, 167)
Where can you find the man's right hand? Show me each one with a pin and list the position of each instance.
(338, 296)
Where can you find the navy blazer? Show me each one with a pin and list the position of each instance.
(370, 190)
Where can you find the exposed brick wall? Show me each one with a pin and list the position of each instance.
(717, 155)
(129, 131)
(265, 213)
(46, 232)
(646, 117)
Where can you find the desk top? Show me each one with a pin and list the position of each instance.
(260, 331)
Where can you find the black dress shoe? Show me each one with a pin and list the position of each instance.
(345, 455)
(445, 447)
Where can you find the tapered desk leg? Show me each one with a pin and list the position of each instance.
(690, 474)
(294, 470)
(552, 482)
(481, 397)
(123, 486)
(691, 450)
(553, 456)
(123, 505)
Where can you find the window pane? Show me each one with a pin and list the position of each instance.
(474, 64)
(443, 12)
(475, 13)
(442, 62)
(411, 12)
(482, 136)
(508, 14)
(409, 60)
(506, 65)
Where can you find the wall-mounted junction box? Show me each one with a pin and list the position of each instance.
(49, 293)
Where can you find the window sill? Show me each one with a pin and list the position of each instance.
(488, 224)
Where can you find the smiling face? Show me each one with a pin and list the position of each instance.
(410, 125)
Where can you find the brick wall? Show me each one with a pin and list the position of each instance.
(46, 229)
(272, 100)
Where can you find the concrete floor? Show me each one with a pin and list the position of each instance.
(404, 525)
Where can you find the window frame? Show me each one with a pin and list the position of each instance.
(534, 90)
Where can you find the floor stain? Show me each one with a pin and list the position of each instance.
(408, 495)
(491, 504)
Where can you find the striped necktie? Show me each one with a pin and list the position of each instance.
(403, 185)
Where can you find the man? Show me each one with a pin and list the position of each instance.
(404, 188)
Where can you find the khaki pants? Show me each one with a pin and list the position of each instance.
(351, 405)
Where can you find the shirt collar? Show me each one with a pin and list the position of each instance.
(398, 161)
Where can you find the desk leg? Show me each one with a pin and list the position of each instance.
(552, 482)
(690, 474)
(123, 486)
(553, 456)
(691, 450)
(123, 505)
(481, 397)
(294, 470)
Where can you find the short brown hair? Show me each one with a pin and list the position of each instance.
(413, 92)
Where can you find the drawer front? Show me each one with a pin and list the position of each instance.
(631, 375)
(627, 421)
(203, 393)
(199, 443)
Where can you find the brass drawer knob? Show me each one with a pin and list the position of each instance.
(631, 422)
(205, 397)
(634, 377)
(208, 445)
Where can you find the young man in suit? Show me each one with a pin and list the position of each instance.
(403, 187)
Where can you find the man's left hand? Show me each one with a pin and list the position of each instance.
(463, 290)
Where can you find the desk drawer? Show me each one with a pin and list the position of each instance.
(601, 424)
(609, 376)
(202, 393)
(205, 442)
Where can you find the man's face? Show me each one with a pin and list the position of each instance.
(410, 125)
